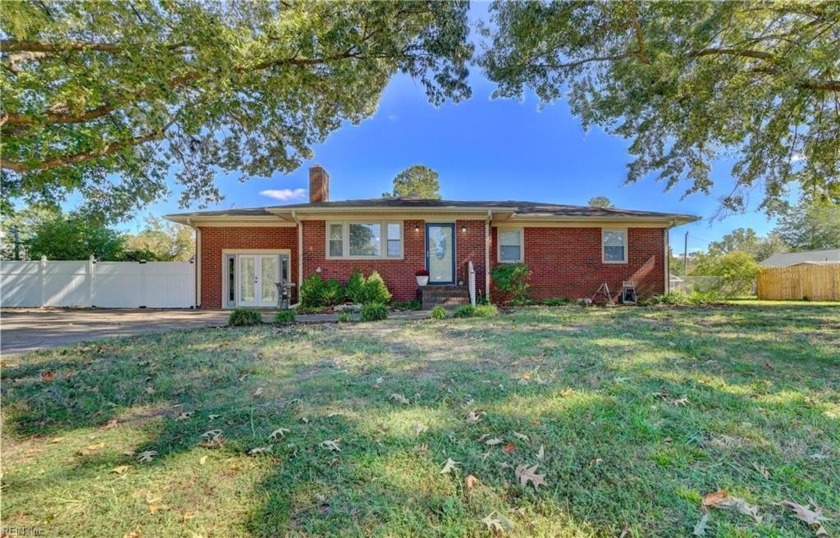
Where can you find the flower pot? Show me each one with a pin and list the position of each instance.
(422, 280)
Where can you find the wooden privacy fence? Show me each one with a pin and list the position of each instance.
(810, 282)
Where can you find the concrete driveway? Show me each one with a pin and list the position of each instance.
(27, 330)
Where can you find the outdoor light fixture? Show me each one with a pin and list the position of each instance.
(416, 228)
(463, 229)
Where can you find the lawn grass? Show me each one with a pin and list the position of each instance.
(640, 413)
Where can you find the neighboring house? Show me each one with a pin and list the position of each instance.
(811, 257)
(571, 250)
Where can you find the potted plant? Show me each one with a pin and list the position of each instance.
(422, 277)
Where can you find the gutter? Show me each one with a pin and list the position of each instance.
(299, 256)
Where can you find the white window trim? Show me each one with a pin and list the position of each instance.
(499, 232)
(622, 231)
(345, 239)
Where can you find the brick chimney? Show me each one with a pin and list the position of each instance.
(319, 185)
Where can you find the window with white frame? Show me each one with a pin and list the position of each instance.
(364, 239)
(614, 245)
(510, 246)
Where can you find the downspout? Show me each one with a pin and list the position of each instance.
(667, 255)
(487, 254)
(299, 256)
(197, 301)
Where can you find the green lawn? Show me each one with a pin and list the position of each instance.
(632, 415)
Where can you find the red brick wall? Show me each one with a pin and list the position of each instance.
(566, 262)
(214, 240)
(470, 246)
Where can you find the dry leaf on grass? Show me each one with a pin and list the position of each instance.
(203, 460)
(185, 416)
(122, 469)
(279, 432)
(449, 466)
(470, 481)
(713, 499)
(493, 442)
(527, 474)
(258, 392)
(520, 436)
(146, 456)
(509, 448)
(474, 417)
(813, 518)
(701, 526)
(397, 397)
(541, 453)
(722, 499)
(499, 523)
(680, 401)
(331, 445)
(260, 450)
(419, 428)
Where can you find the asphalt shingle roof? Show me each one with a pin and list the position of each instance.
(829, 255)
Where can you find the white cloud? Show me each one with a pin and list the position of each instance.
(797, 157)
(284, 195)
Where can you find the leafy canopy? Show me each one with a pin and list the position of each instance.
(810, 226)
(416, 182)
(688, 82)
(74, 237)
(104, 99)
(600, 201)
(746, 240)
(162, 241)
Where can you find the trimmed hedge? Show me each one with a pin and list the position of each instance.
(244, 316)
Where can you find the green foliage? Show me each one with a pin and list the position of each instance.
(343, 317)
(737, 271)
(355, 289)
(600, 201)
(810, 226)
(285, 316)
(161, 240)
(695, 298)
(687, 82)
(74, 237)
(312, 291)
(244, 316)
(437, 312)
(332, 293)
(137, 90)
(416, 182)
(375, 290)
(512, 280)
(556, 301)
(746, 240)
(373, 312)
(411, 304)
(479, 311)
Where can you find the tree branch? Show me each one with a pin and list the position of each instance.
(757, 54)
(108, 149)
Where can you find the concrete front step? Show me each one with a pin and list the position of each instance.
(444, 295)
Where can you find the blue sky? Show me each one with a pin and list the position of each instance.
(486, 149)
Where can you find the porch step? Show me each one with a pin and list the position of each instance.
(445, 296)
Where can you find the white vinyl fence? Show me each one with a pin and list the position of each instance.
(97, 284)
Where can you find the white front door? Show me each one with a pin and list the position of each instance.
(258, 278)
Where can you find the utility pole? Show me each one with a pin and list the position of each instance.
(685, 256)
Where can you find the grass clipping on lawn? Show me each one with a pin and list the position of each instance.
(547, 421)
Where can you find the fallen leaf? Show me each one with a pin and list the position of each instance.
(701, 526)
(150, 390)
(331, 445)
(470, 481)
(449, 466)
(399, 398)
(474, 417)
(527, 474)
(541, 453)
(541, 381)
(380, 380)
(721, 499)
(56, 440)
(520, 436)
(184, 416)
(714, 499)
(419, 428)
(509, 448)
(680, 401)
(493, 442)
(122, 469)
(813, 518)
(146, 456)
(213, 417)
(278, 432)
(258, 392)
(499, 523)
(47, 376)
(132, 534)
(203, 460)
(260, 450)
(156, 507)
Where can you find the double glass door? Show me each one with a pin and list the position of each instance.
(258, 278)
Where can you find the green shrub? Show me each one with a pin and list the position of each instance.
(343, 317)
(373, 312)
(375, 290)
(556, 301)
(312, 291)
(411, 304)
(703, 298)
(332, 292)
(244, 316)
(285, 316)
(437, 312)
(512, 280)
(480, 311)
(355, 289)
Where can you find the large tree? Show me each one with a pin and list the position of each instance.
(74, 237)
(747, 240)
(810, 226)
(689, 82)
(104, 99)
(416, 182)
(161, 241)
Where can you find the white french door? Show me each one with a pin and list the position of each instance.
(258, 278)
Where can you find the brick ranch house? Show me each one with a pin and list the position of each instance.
(571, 250)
